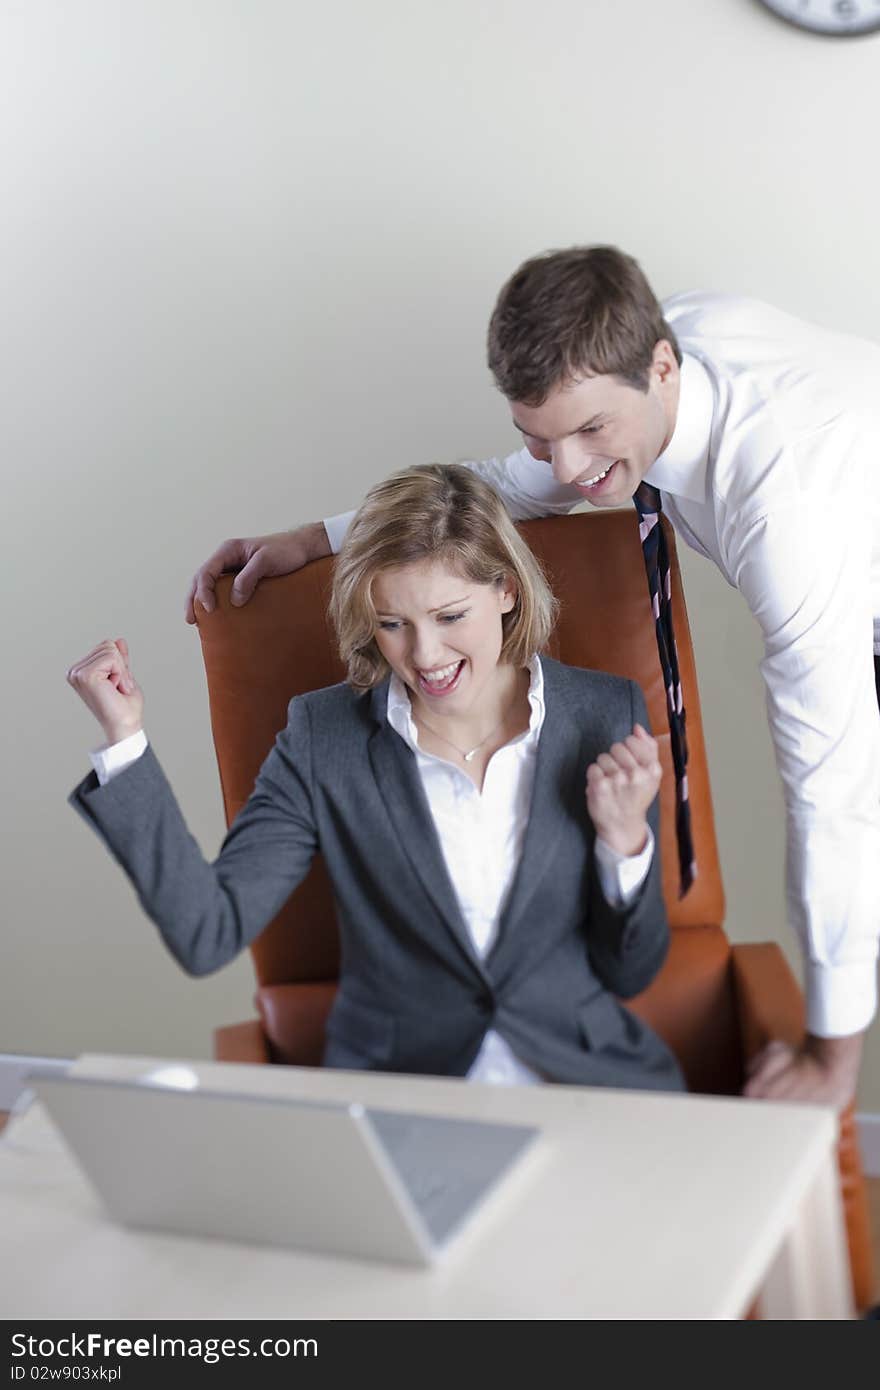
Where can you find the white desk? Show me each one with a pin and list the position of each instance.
(632, 1205)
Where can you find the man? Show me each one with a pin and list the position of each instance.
(761, 434)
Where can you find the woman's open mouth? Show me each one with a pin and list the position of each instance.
(442, 680)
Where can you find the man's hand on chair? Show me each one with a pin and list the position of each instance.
(255, 558)
(824, 1071)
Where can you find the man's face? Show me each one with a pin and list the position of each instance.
(601, 434)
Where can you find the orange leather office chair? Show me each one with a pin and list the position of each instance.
(715, 1004)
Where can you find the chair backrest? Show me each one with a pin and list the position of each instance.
(281, 645)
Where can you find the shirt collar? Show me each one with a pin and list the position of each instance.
(399, 709)
(681, 468)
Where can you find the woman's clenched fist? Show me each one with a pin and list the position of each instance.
(103, 680)
(621, 784)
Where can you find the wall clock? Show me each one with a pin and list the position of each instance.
(836, 17)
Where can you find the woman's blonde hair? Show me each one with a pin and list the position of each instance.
(441, 512)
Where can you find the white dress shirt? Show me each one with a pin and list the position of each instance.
(108, 762)
(773, 473)
(481, 836)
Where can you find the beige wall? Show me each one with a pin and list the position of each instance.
(248, 254)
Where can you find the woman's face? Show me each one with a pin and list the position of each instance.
(442, 634)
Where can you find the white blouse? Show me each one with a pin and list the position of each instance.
(481, 835)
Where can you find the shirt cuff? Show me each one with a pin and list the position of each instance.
(841, 999)
(622, 875)
(109, 762)
(336, 527)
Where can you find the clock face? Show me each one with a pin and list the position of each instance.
(837, 17)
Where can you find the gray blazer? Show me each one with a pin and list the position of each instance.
(414, 996)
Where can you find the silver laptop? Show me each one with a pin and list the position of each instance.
(326, 1176)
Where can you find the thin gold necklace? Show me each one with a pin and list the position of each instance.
(467, 754)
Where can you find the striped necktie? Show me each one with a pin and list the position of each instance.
(656, 553)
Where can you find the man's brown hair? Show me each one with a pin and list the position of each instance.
(587, 311)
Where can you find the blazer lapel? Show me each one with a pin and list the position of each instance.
(558, 768)
(397, 776)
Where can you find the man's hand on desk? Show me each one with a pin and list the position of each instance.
(255, 558)
(824, 1071)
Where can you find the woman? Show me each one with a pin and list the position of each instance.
(490, 904)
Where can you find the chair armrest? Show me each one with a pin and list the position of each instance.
(769, 1002)
(294, 1017)
(770, 1005)
(241, 1042)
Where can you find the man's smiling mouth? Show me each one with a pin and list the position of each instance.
(598, 477)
